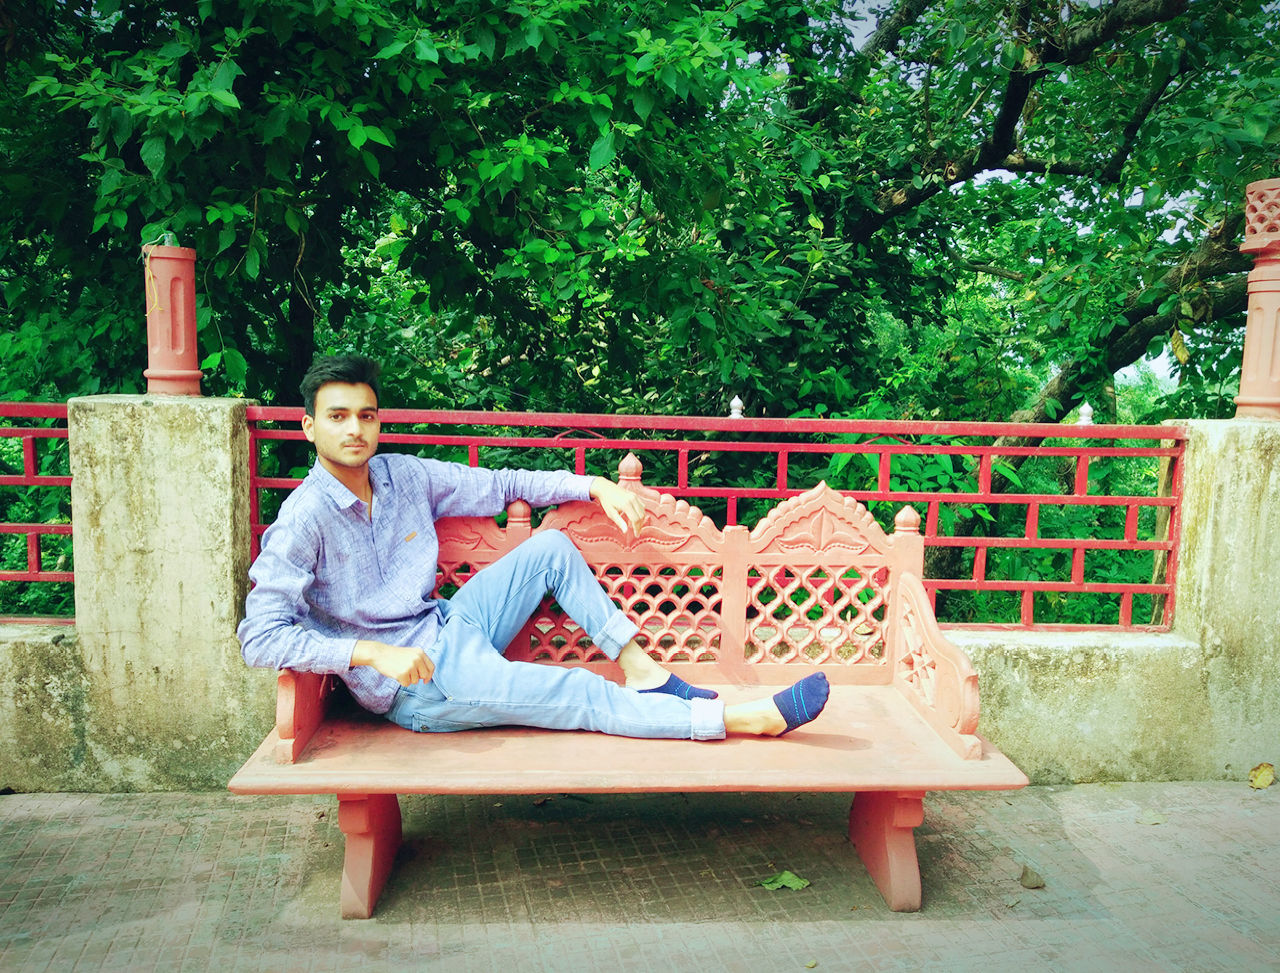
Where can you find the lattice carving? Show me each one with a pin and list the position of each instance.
(468, 544)
(671, 526)
(917, 666)
(821, 520)
(677, 607)
(930, 668)
(816, 614)
(667, 578)
(1262, 215)
(815, 569)
(815, 591)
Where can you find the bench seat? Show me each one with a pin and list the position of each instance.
(817, 584)
(869, 738)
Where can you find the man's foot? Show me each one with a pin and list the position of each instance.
(782, 712)
(645, 676)
(803, 702)
(676, 686)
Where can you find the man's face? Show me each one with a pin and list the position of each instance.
(345, 427)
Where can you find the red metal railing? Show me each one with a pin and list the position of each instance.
(25, 454)
(957, 474)
(1030, 512)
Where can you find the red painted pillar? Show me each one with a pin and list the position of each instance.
(1260, 371)
(172, 358)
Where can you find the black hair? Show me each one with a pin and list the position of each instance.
(350, 369)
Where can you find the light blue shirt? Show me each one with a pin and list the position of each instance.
(328, 575)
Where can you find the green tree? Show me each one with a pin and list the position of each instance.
(936, 209)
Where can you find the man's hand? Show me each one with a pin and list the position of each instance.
(621, 506)
(403, 663)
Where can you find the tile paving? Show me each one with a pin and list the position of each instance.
(1138, 876)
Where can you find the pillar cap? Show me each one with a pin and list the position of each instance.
(155, 250)
(1262, 216)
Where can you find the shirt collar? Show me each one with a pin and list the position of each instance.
(337, 492)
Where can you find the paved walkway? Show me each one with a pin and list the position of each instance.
(1136, 877)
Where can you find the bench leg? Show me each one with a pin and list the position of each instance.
(882, 827)
(371, 824)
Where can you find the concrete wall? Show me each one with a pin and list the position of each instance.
(148, 691)
(1199, 703)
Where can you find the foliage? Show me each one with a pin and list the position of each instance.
(951, 209)
(576, 205)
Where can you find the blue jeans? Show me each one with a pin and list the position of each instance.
(474, 685)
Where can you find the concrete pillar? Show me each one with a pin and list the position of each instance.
(1227, 579)
(160, 501)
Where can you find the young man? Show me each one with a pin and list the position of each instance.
(343, 585)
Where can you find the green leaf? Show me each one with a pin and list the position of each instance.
(391, 50)
(225, 98)
(602, 153)
(153, 154)
(237, 367)
(425, 50)
(642, 101)
(784, 880)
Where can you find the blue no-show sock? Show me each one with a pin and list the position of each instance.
(675, 686)
(804, 701)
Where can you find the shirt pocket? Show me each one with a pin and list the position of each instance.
(411, 570)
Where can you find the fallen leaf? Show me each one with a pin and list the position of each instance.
(784, 880)
(1261, 776)
(812, 964)
(1149, 816)
(1031, 879)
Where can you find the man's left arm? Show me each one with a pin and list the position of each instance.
(621, 506)
(457, 490)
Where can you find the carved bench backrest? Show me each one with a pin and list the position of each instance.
(808, 585)
(812, 584)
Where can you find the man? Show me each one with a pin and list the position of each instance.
(343, 585)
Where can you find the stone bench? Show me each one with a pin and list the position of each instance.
(816, 584)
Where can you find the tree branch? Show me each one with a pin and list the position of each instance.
(1111, 171)
(888, 32)
(980, 268)
(999, 150)
(1017, 162)
(1079, 41)
(1216, 256)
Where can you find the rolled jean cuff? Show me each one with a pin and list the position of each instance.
(617, 632)
(706, 719)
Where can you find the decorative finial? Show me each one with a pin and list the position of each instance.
(630, 469)
(735, 408)
(1086, 415)
(907, 521)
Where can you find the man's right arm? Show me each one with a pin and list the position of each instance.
(403, 663)
(270, 635)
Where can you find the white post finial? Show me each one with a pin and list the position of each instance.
(1086, 415)
(735, 408)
